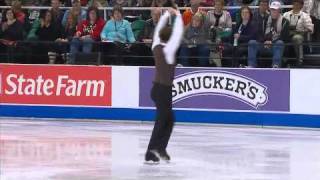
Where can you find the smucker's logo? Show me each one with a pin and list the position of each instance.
(237, 86)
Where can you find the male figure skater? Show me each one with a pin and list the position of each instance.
(166, 41)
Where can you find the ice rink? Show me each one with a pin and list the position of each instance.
(94, 150)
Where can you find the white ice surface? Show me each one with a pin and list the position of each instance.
(79, 150)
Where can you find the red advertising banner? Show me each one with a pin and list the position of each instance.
(55, 85)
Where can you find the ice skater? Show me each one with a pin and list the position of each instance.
(166, 41)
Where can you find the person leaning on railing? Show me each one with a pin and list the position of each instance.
(300, 25)
(276, 34)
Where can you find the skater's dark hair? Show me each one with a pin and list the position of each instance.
(165, 34)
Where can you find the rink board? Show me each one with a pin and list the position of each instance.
(265, 97)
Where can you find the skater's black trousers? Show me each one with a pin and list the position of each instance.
(162, 97)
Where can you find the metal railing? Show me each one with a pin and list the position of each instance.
(106, 9)
(100, 56)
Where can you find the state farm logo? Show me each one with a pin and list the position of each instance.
(56, 85)
(221, 83)
(62, 85)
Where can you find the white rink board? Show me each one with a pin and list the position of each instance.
(125, 86)
(305, 91)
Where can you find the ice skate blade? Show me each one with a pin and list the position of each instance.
(151, 163)
(166, 161)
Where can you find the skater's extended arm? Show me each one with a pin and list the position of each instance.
(175, 39)
(162, 22)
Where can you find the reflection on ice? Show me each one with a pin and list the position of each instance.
(114, 151)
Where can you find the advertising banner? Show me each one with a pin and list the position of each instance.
(230, 89)
(55, 85)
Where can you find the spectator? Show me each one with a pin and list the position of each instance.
(150, 25)
(220, 22)
(282, 2)
(207, 3)
(300, 24)
(163, 3)
(17, 10)
(118, 32)
(66, 3)
(243, 33)
(88, 32)
(66, 36)
(182, 3)
(10, 32)
(44, 2)
(117, 29)
(83, 2)
(76, 10)
(190, 12)
(33, 14)
(196, 40)
(2, 3)
(97, 3)
(122, 3)
(260, 18)
(307, 5)
(56, 12)
(144, 3)
(47, 32)
(315, 15)
(277, 32)
(235, 13)
(142, 14)
(70, 29)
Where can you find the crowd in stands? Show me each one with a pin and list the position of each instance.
(213, 37)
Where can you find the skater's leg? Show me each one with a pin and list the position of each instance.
(165, 120)
(162, 97)
(156, 132)
(166, 136)
(167, 131)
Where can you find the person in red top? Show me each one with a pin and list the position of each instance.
(17, 10)
(190, 12)
(88, 32)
